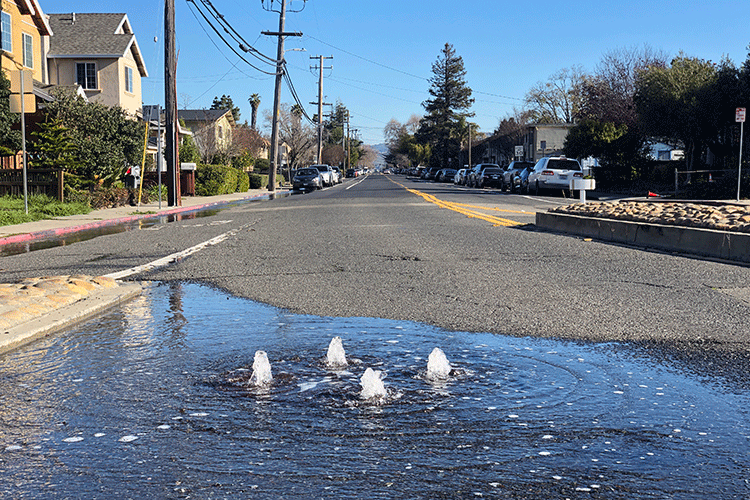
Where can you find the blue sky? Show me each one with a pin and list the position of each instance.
(383, 51)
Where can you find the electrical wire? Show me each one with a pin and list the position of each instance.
(225, 41)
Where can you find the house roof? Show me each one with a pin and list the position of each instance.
(93, 36)
(203, 115)
(32, 8)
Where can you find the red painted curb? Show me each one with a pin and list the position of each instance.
(51, 233)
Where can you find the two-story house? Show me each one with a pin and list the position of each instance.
(212, 129)
(24, 37)
(98, 52)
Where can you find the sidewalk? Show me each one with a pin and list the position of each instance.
(40, 306)
(48, 228)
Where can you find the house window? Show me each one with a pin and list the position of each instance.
(28, 51)
(5, 28)
(128, 79)
(86, 75)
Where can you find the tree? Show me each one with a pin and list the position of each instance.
(10, 140)
(225, 102)
(442, 127)
(679, 104)
(607, 124)
(299, 137)
(558, 99)
(254, 101)
(106, 139)
(53, 147)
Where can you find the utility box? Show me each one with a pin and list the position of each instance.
(187, 179)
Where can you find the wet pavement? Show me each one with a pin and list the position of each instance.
(153, 400)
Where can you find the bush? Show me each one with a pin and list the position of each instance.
(213, 180)
(243, 182)
(256, 181)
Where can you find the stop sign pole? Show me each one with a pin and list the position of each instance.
(740, 117)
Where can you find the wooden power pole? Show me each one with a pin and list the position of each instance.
(170, 107)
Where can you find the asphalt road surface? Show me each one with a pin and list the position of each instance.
(458, 258)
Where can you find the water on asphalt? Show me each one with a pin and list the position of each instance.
(153, 401)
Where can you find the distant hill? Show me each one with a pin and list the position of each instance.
(382, 150)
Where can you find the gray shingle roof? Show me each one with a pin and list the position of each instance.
(93, 36)
(201, 115)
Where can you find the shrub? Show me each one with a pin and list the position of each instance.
(256, 181)
(243, 182)
(212, 180)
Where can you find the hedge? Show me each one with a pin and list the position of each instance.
(212, 180)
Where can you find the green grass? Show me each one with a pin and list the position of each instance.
(40, 207)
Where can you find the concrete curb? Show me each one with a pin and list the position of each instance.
(51, 233)
(65, 316)
(710, 243)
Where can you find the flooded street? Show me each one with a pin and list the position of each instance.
(152, 401)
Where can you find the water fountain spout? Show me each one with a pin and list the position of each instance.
(372, 384)
(336, 355)
(438, 367)
(261, 369)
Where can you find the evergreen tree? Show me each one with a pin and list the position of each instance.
(225, 102)
(53, 147)
(442, 127)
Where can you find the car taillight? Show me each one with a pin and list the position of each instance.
(547, 172)
(578, 174)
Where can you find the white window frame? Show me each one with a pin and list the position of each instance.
(129, 80)
(6, 27)
(28, 50)
(84, 84)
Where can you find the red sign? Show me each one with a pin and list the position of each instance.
(739, 115)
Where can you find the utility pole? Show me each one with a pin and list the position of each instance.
(170, 107)
(320, 105)
(277, 97)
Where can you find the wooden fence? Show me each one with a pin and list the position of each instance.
(40, 181)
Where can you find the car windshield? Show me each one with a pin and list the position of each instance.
(322, 168)
(519, 165)
(307, 171)
(491, 170)
(555, 164)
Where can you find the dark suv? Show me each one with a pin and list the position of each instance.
(485, 175)
(511, 172)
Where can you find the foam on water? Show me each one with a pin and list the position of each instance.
(438, 367)
(336, 356)
(372, 384)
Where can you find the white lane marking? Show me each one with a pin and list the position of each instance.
(357, 182)
(169, 259)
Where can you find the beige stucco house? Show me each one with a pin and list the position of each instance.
(545, 140)
(212, 129)
(100, 53)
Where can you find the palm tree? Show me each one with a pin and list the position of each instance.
(254, 101)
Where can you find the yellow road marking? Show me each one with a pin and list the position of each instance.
(464, 209)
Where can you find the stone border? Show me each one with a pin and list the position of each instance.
(710, 243)
(67, 315)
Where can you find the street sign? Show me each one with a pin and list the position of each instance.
(15, 81)
(739, 115)
(519, 151)
(29, 103)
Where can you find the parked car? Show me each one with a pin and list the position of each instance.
(460, 177)
(445, 175)
(430, 173)
(484, 175)
(521, 180)
(338, 176)
(326, 172)
(554, 172)
(307, 179)
(511, 171)
(351, 173)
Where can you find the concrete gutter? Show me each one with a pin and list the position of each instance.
(710, 243)
(63, 317)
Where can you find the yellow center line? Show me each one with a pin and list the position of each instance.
(462, 208)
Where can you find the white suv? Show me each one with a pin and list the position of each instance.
(326, 173)
(554, 172)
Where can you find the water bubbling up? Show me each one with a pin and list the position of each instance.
(438, 367)
(372, 384)
(261, 369)
(336, 355)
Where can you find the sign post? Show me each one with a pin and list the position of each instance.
(22, 102)
(740, 117)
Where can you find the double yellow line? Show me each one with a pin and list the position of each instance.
(463, 208)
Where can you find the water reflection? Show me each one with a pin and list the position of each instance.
(152, 401)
